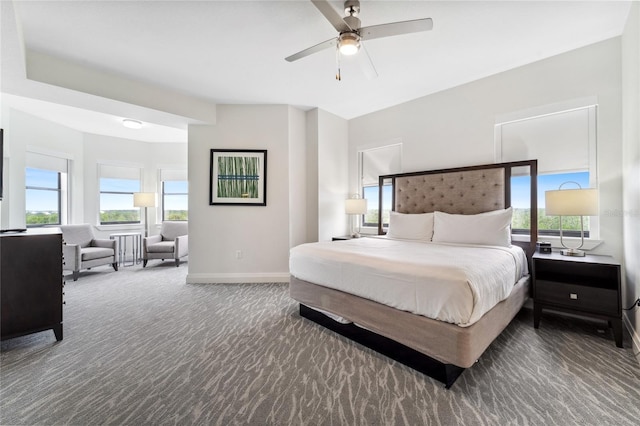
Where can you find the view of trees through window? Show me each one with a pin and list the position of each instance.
(116, 201)
(42, 197)
(547, 225)
(371, 195)
(175, 200)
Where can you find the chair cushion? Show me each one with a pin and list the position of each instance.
(81, 235)
(161, 247)
(171, 230)
(90, 253)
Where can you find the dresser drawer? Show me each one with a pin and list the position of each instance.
(592, 299)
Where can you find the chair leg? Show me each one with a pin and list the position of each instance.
(144, 263)
(75, 275)
(177, 262)
(115, 265)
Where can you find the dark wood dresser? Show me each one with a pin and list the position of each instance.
(31, 282)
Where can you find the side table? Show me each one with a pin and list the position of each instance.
(135, 246)
(588, 286)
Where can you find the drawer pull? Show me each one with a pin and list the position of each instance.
(573, 296)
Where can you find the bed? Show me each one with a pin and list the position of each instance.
(441, 285)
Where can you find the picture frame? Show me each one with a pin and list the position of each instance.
(238, 177)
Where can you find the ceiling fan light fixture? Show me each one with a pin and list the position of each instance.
(349, 43)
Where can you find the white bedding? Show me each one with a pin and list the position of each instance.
(448, 282)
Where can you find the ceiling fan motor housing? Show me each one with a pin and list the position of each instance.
(352, 7)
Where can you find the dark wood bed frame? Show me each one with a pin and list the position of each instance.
(444, 372)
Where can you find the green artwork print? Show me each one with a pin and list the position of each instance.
(238, 177)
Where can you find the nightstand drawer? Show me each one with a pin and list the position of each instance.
(597, 300)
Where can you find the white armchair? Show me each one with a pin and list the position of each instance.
(172, 243)
(82, 250)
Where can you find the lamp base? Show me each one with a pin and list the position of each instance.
(572, 252)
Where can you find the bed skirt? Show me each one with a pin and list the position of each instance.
(444, 342)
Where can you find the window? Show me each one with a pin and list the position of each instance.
(175, 200)
(175, 194)
(564, 143)
(371, 194)
(43, 197)
(547, 225)
(117, 186)
(45, 189)
(374, 163)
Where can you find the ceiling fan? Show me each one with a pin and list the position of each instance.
(351, 34)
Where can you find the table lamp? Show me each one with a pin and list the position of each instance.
(355, 207)
(572, 202)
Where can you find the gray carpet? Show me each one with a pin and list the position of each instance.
(141, 347)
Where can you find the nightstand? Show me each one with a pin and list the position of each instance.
(342, 238)
(588, 286)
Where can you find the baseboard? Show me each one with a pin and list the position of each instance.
(635, 337)
(265, 277)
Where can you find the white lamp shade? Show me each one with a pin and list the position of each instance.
(355, 206)
(571, 202)
(144, 199)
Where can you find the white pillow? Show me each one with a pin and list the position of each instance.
(411, 226)
(490, 228)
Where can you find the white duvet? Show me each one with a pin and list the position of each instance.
(448, 282)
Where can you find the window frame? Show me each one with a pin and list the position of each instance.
(58, 189)
(589, 104)
(101, 175)
(393, 144)
(164, 193)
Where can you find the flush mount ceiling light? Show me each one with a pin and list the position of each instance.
(132, 124)
(349, 43)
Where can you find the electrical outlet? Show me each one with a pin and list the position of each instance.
(238, 254)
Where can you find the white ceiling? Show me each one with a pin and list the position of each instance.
(232, 52)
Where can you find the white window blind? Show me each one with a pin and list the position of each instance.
(173, 174)
(46, 162)
(562, 142)
(380, 161)
(119, 172)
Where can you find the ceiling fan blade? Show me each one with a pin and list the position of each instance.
(396, 28)
(366, 64)
(332, 16)
(311, 50)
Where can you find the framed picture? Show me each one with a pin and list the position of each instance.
(238, 177)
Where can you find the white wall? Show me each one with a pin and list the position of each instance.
(332, 175)
(24, 131)
(261, 233)
(312, 185)
(298, 223)
(631, 167)
(456, 127)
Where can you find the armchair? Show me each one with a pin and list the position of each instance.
(83, 251)
(172, 243)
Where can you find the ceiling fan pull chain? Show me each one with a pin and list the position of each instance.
(338, 76)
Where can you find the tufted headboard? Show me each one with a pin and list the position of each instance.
(461, 190)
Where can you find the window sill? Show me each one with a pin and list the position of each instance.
(589, 243)
(117, 227)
